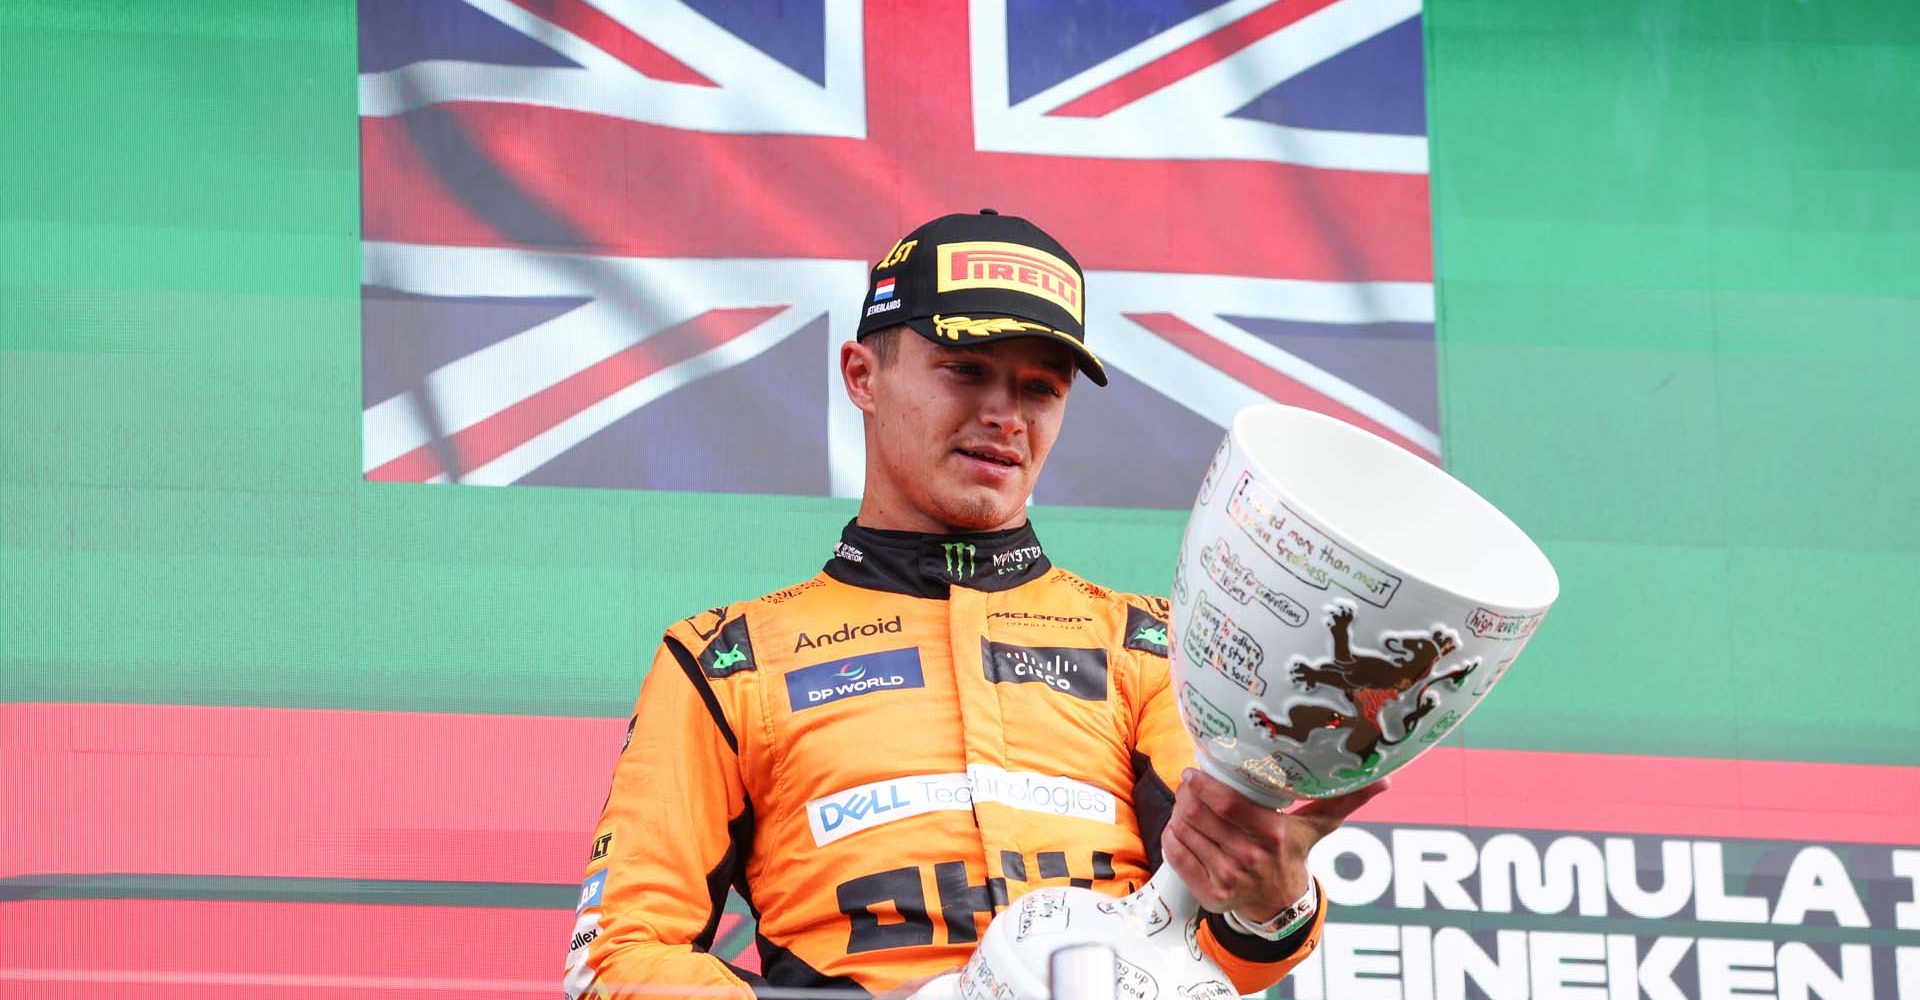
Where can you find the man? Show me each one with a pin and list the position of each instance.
(881, 757)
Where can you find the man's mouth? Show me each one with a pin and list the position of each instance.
(997, 458)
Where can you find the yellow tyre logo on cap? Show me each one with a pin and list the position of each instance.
(1010, 267)
(952, 327)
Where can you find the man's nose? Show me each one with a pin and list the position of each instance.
(1000, 407)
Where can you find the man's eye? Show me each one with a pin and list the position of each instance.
(1044, 389)
(970, 371)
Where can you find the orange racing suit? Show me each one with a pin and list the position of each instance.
(879, 759)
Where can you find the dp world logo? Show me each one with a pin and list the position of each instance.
(822, 683)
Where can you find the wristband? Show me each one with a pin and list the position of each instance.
(1285, 922)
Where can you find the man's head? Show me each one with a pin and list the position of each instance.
(971, 331)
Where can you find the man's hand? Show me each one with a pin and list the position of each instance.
(1237, 855)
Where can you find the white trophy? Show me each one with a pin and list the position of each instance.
(1339, 605)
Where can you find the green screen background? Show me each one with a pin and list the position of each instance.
(1679, 321)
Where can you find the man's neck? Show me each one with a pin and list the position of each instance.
(929, 563)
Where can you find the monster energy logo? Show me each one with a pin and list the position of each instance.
(961, 559)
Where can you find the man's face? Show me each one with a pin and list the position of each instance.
(958, 434)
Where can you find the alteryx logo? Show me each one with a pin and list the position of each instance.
(894, 669)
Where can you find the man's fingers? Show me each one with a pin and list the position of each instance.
(1324, 815)
(1173, 847)
(1231, 843)
(1232, 807)
(1211, 833)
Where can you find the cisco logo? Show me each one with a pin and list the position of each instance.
(1081, 673)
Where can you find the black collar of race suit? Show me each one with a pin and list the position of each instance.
(927, 565)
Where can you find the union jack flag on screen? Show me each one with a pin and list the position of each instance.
(617, 243)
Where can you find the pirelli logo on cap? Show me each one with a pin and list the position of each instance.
(1012, 267)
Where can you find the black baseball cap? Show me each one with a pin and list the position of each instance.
(968, 279)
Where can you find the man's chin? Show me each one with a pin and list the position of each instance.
(983, 511)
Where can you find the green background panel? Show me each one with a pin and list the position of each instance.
(1679, 318)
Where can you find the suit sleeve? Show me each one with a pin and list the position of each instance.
(1162, 750)
(674, 834)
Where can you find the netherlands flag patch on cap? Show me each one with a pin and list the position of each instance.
(883, 291)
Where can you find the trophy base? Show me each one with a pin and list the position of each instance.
(1264, 796)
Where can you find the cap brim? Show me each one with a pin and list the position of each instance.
(954, 331)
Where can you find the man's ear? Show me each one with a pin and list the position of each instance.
(858, 366)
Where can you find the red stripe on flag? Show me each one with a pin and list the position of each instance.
(193, 790)
(615, 39)
(1262, 379)
(802, 196)
(1189, 59)
(482, 442)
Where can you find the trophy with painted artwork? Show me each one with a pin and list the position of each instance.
(1339, 605)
